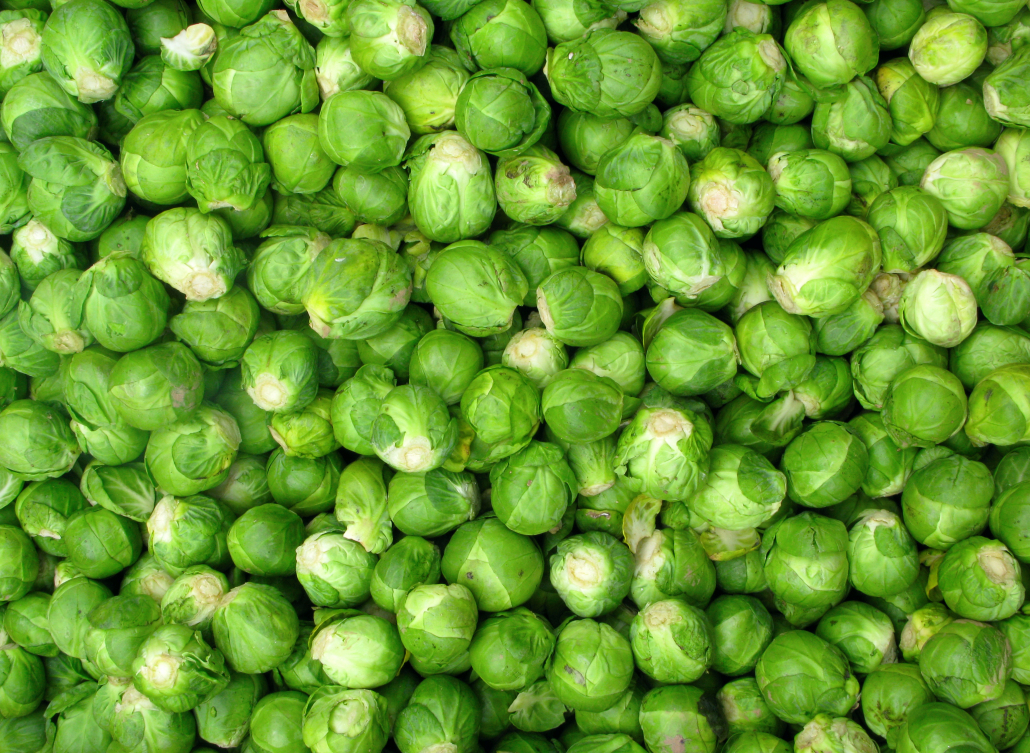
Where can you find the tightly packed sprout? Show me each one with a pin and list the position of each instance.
(514, 376)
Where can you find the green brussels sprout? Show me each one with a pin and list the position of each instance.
(501, 112)
(811, 183)
(827, 268)
(768, 139)
(362, 129)
(888, 353)
(824, 732)
(627, 71)
(305, 485)
(579, 307)
(192, 598)
(870, 178)
(341, 720)
(21, 564)
(194, 453)
(508, 650)
(263, 540)
(356, 289)
(388, 38)
(125, 307)
(775, 346)
(947, 500)
(40, 441)
(895, 22)
(255, 627)
(966, 663)
(746, 712)
(88, 67)
(188, 532)
(534, 187)
(537, 354)
(580, 406)
(620, 358)
(800, 676)
(441, 711)
(225, 165)
(502, 568)
(672, 563)
(962, 119)
(296, 158)
(781, 230)
(643, 179)
(912, 225)
(413, 431)
(739, 77)
(436, 624)
(692, 353)
(378, 198)
(986, 264)
(447, 163)
(322, 210)
(923, 406)
(1001, 96)
(118, 628)
(677, 714)
(156, 386)
(831, 43)
(192, 252)
(22, 681)
(357, 650)
(219, 330)
(883, 558)
(742, 490)
(856, 125)
(672, 641)
(948, 47)
(335, 67)
(503, 408)
(913, 102)
(433, 503)
(585, 138)
(277, 271)
(43, 509)
(252, 422)
(334, 570)
(279, 371)
(428, 95)
(680, 32)
(864, 634)
(37, 253)
(532, 488)
(25, 623)
(741, 629)
(411, 562)
(189, 49)
(308, 432)
(939, 307)
(825, 464)
(445, 361)
(591, 666)
(69, 609)
(1005, 516)
(153, 155)
(265, 73)
(356, 404)
(1010, 470)
(152, 86)
(937, 726)
(980, 580)
(815, 546)
(889, 694)
(14, 184)
(732, 191)
(591, 572)
(1005, 719)
(951, 178)
(37, 106)
(53, 315)
(64, 169)
(692, 129)
(499, 34)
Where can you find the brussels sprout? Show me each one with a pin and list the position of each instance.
(40, 442)
(428, 95)
(499, 34)
(436, 624)
(966, 663)
(37, 106)
(177, 670)
(980, 580)
(411, 562)
(672, 641)
(939, 307)
(502, 568)
(156, 386)
(685, 711)
(357, 650)
(61, 168)
(376, 132)
(472, 265)
(343, 720)
(775, 346)
(533, 186)
(801, 675)
(154, 155)
(628, 78)
(643, 179)
(948, 48)
(442, 711)
(447, 162)
(810, 182)
(814, 545)
(255, 627)
(372, 300)
(269, 57)
(1002, 99)
(582, 647)
(951, 178)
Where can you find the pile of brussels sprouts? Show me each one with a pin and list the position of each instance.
(483, 376)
